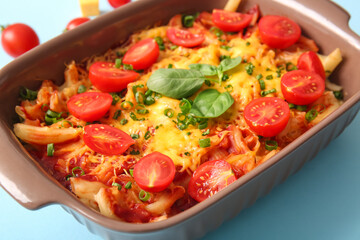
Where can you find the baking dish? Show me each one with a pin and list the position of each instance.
(56, 53)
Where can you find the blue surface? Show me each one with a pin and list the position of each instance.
(304, 207)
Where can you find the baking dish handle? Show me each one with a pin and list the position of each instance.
(22, 178)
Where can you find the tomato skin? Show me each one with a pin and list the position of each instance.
(302, 87)
(118, 3)
(76, 22)
(209, 178)
(309, 61)
(107, 78)
(89, 106)
(184, 38)
(18, 38)
(143, 54)
(278, 31)
(106, 140)
(231, 21)
(158, 166)
(267, 116)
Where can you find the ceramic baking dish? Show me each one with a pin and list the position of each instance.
(32, 187)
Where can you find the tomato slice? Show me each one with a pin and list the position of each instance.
(231, 21)
(184, 38)
(267, 116)
(309, 61)
(107, 78)
(106, 140)
(76, 22)
(209, 178)
(302, 87)
(143, 54)
(278, 32)
(89, 106)
(154, 172)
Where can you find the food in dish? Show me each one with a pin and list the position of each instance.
(179, 112)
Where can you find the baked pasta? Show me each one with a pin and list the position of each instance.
(178, 112)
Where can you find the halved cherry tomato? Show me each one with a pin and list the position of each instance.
(154, 172)
(76, 22)
(106, 140)
(107, 78)
(89, 106)
(143, 54)
(118, 3)
(231, 21)
(184, 38)
(267, 116)
(309, 61)
(18, 38)
(302, 87)
(209, 178)
(278, 32)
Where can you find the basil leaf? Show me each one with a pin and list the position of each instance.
(229, 63)
(210, 103)
(206, 69)
(176, 83)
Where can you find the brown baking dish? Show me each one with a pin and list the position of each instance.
(32, 187)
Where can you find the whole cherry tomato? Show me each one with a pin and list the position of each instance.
(76, 22)
(18, 38)
(118, 3)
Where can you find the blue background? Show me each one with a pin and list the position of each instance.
(322, 201)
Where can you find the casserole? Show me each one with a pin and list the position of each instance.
(353, 91)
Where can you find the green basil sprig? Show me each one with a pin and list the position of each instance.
(210, 70)
(176, 83)
(210, 103)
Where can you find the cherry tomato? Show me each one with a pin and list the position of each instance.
(278, 32)
(143, 54)
(231, 21)
(118, 3)
(302, 87)
(107, 78)
(267, 116)
(309, 61)
(184, 38)
(89, 106)
(154, 172)
(106, 140)
(18, 38)
(76, 22)
(209, 178)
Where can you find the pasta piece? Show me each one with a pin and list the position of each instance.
(166, 200)
(232, 5)
(44, 135)
(331, 61)
(86, 191)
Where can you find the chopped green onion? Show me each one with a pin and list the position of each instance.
(247, 43)
(292, 106)
(144, 196)
(225, 77)
(225, 47)
(28, 94)
(134, 117)
(169, 112)
(229, 88)
(117, 114)
(216, 31)
(148, 93)
(269, 77)
(160, 42)
(181, 117)
(123, 121)
(123, 105)
(264, 93)
(147, 135)
(119, 54)
(157, 96)
(128, 185)
(131, 171)
(67, 177)
(185, 106)
(203, 124)
(301, 107)
(187, 154)
(206, 132)
(128, 67)
(311, 115)
(50, 150)
(114, 184)
(173, 47)
(338, 95)
(134, 136)
(319, 107)
(188, 133)
(170, 65)
(53, 114)
(259, 76)
(118, 62)
(116, 98)
(222, 57)
(204, 143)
(68, 122)
(81, 89)
(249, 68)
(134, 152)
(271, 145)
(208, 83)
(188, 20)
(77, 168)
(149, 100)
(290, 66)
(262, 84)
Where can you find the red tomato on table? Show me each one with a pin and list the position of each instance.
(143, 54)
(107, 78)
(89, 106)
(184, 38)
(106, 140)
(309, 61)
(278, 32)
(118, 3)
(76, 22)
(302, 87)
(18, 38)
(267, 116)
(209, 178)
(154, 172)
(231, 21)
